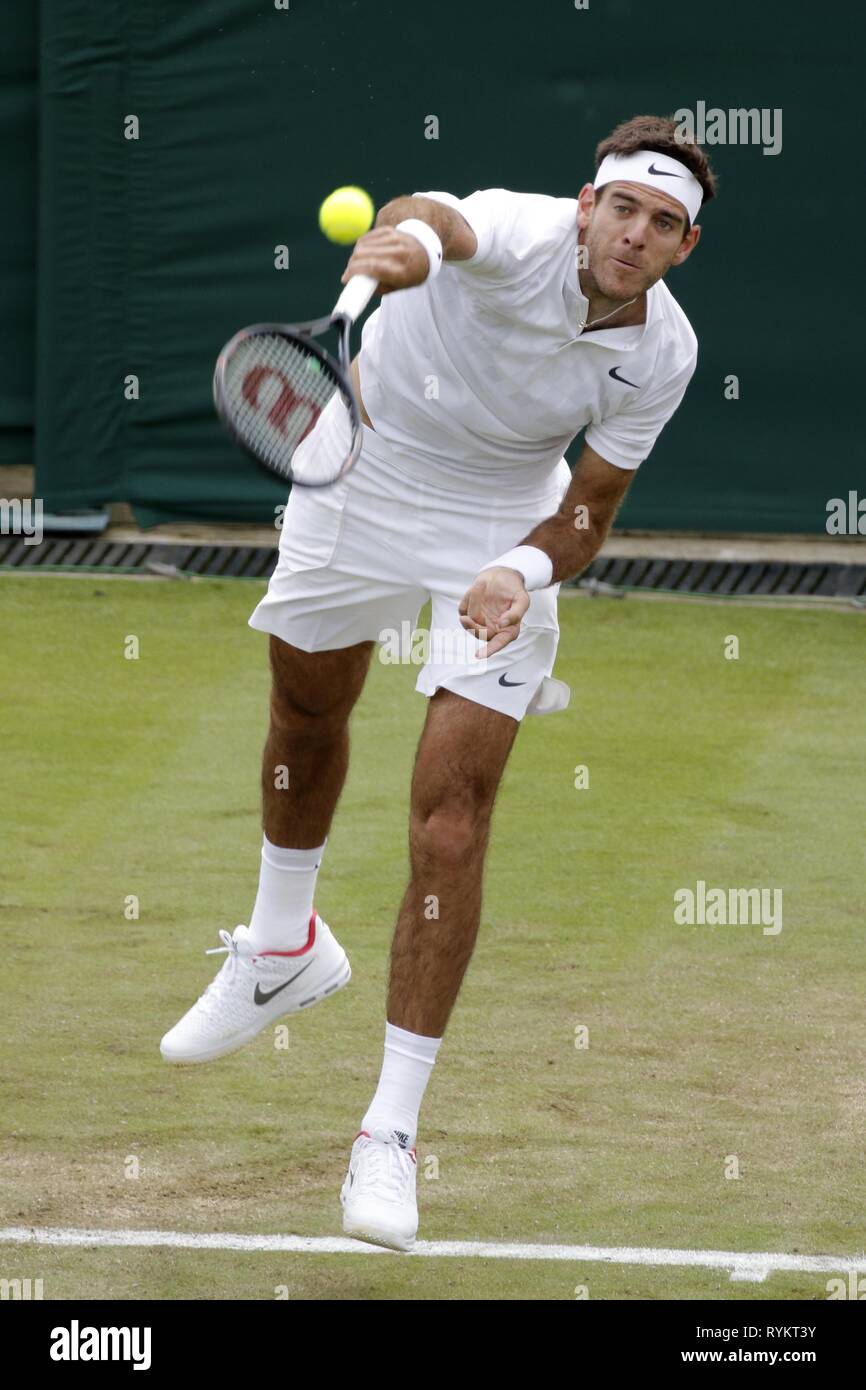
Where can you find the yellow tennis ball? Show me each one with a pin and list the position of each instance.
(346, 214)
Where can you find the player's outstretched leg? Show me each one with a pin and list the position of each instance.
(287, 959)
(460, 760)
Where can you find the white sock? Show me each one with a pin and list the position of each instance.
(406, 1069)
(284, 902)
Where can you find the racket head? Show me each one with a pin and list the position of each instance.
(272, 383)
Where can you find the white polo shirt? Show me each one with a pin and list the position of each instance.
(483, 374)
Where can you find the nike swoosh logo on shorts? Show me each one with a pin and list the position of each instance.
(613, 372)
(666, 173)
(260, 998)
(503, 680)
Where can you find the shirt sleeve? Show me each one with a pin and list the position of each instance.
(626, 439)
(503, 227)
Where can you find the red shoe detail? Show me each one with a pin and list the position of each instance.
(311, 937)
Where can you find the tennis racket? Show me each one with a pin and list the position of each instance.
(274, 380)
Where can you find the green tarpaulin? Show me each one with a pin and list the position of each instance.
(152, 251)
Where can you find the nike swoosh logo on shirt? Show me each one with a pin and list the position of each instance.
(666, 173)
(503, 680)
(261, 998)
(625, 381)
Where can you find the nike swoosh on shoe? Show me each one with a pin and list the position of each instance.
(260, 998)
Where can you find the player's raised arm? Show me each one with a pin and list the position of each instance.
(557, 549)
(459, 242)
(402, 257)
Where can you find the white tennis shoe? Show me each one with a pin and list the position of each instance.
(378, 1195)
(251, 991)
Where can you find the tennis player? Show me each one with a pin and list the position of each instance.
(509, 322)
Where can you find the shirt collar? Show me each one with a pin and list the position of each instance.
(577, 309)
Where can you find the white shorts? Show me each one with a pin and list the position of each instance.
(358, 561)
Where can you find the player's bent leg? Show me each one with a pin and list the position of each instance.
(461, 756)
(312, 696)
(287, 959)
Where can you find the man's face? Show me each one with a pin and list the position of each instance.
(633, 235)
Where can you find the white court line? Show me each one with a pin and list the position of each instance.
(742, 1266)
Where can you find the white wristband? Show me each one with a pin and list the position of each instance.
(423, 232)
(535, 565)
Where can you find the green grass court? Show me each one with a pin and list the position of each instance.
(140, 777)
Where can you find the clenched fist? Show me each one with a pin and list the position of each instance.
(494, 607)
(397, 260)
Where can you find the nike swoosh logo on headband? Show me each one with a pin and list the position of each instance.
(666, 173)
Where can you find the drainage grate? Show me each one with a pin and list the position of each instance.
(721, 577)
(732, 577)
(230, 561)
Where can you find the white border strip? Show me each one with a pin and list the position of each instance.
(752, 1268)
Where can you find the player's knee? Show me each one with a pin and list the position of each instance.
(451, 833)
(305, 712)
(314, 694)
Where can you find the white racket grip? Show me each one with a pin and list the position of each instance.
(356, 296)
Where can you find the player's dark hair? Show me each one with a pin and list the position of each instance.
(659, 134)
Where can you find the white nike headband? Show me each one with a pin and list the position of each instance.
(657, 171)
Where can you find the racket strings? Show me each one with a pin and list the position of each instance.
(276, 389)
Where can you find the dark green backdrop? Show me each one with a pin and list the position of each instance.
(19, 97)
(152, 252)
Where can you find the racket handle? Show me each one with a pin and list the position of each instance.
(355, 297)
